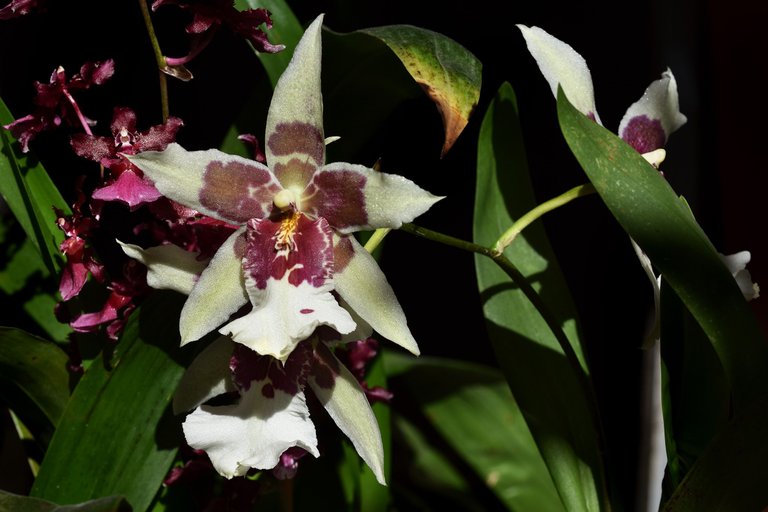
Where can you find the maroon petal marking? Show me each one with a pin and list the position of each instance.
(248, 366)
(325, 367)
(338, 197)
(644, 134)
(237, 191)
(123, 117)
(296, 244)
(343, 252)
(298, 137)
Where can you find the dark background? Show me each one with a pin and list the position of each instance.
(715, 49)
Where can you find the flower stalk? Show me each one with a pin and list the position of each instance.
(556, 202)
(159, 58)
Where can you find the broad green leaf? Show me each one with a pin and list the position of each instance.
(697, 395)
(447, 72)
(731, 474)
(117, 434)
(547, 389)
(33, 380)
(31, 195)
(472, 408)
(662, 225)
(286, 30)
(15, 503)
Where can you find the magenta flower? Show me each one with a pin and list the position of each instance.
(20, 8)
(55, 103)
(127, 182)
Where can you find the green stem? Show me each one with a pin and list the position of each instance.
(520, 224)
(376, 238)
(159, 58)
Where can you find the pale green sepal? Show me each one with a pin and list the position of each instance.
(208, 376)
(169, 266)
(390, 199)
(178, 175)
(297, 96)
(561, 64)
(218, 293)
(347, 404)
(363, 286)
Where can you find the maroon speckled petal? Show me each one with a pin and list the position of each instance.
(297, 245)
(238, 191)
(298, 138)
(337, 197)
(123, 117)
(92, 147)
(644, 134)
(159, 136)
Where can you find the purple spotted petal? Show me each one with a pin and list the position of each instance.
(254, 432)
(649, 121)
(341, 395)
(353, 197)
(295, 119)
(226, 187)
(288, 269)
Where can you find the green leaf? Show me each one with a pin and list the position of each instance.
(447, 72)
(696, 394)
(33, 380)
(548, 390)
(31, 195)
(731, 474)
(662, 225)
(117, 434)
(15, 503)
(472, 408)
(373, 495)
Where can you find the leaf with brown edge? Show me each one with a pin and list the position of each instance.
(447, 72)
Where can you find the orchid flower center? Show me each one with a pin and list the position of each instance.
(285, 199)
(284, 242)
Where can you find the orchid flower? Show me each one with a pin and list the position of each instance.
(271, 415)
(293, 246)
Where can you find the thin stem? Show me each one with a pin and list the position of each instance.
(554, 203)
(376, 238)
(80, 116)
(159, 58)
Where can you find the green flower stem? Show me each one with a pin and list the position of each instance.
(520, 224)
(376, 238)
(519, 279)
(159, 58)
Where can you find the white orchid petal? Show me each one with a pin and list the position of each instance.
(207, 377)
(561, 64)
(254, 432)
(218, 293)
(650, 121)
(284, 315)
(169, 267)
(737, 266)
(362, 284)
(346, 403)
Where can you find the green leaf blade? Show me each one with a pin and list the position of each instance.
(449, 74)
(651, 213)
(33, 380)
(548, 390)
(31, 195)
(117, 435)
